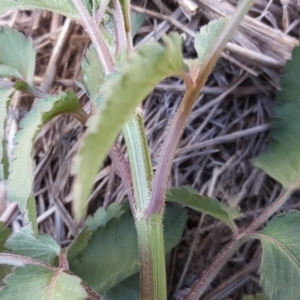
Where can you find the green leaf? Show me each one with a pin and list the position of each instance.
(107, 31)
(41, 247)
(102, 215)
(207, 37)
(7, 71)
(92, 73)
(282, 160)
(4, 271)
(100, 218)
(137, 77)
(19, 185)
(15, 260)
(4, 234)
(17, 55)
(256, 297)
(39, 283)
(112, 253)
(19, 260)
(137, 21)
(63, 7)
(128, 289)
(207, 205)
(79, 244)
(22, 86)
(5, 96)
(280, 264)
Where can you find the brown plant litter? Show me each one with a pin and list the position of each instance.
(229, 126)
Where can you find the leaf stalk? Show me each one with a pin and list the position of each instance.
(199, 286)
(94, 33)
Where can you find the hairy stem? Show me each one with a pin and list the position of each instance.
(168, 151)
(152, 258)
(200, 285)
(120, 37)
(139, 158)
(149, 230)
(100, 13)
(265, 215)
(123, 169)
(91, 293)
(92, 29)
(185, 108)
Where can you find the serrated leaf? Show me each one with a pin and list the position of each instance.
(280, 264)
(7, 71)
(108, 34)
(5, 95)
(282, 160)
(19, 185)
(207, 37)
(100, 218)
(79, 244)
(63, 7)
(256, 297)
(19, 260)
(41, 247)
(39, 283)
(4, 234)
(207, 205)
(17, 55)
(112, 253)
(102, 215)
(137, 77)
(137, 20)
(128, 289)
(92, 73)
(4, 271)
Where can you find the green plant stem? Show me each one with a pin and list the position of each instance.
(149, 230)
(152, 258)
(139, 159)
(185, 108)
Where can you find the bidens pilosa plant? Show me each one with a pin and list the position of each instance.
(117, 243)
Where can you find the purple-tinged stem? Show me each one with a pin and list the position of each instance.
(200, 285)
(123, 169)
(92, 29)
(102, 8)
(213, 269)
(168, 151)
(121, 40)
(185, 108)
